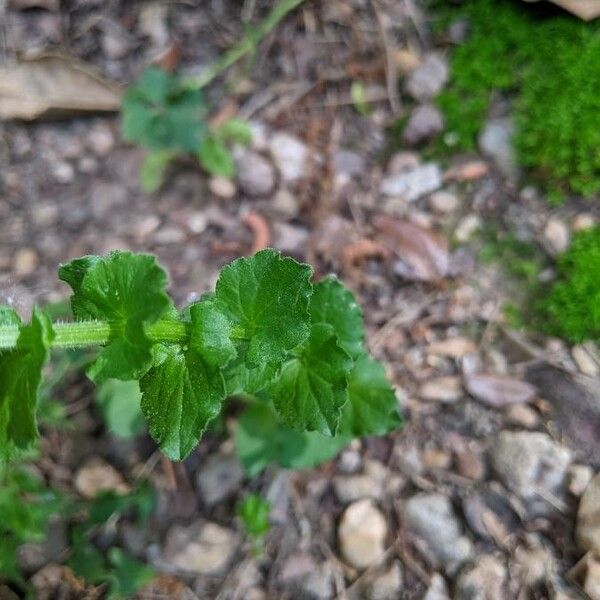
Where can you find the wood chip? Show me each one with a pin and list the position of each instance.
(456, 347)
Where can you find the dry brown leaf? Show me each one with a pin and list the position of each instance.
(423, 254)
(53, 85)
(51, 5)
(498, 390)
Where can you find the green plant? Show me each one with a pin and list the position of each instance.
(545, 62)
(266, 332)
(120, 573)
(254, 513)
(571, 308)
(26, 505)
(167, 115)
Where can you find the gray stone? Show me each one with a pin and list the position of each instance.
(556, 236)
(495, 141)
(432, 519)
(347, 164)
(290, 156)
(424, 123)
(255, 174)
(305, 579)
(533, 466)
(200, 548)
(428, 79)
(387, 585)
(34, 555)
(355, 487)
(437, 590)
(486, 580)
(411, 185)
(219, 477)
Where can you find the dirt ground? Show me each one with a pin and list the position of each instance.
(479, 492)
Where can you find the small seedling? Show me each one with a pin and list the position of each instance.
(266, 333)
(254, 513)
(166, 114)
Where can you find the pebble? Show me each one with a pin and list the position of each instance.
(347, 164)
(454, 347)
(361, 533)
(498, 390)
(442, 389)
(201, 548)
(432, 519)
(412, 184)
(437, 590)
(290, 156)
(522, 415)
(285, 204)
(146, 226)
(591, 585)
(424, 123)
(402, 162)
(495, 141)
(585, 360)
(101, 140)
(388, 585)
(169, 235)
(429, 78)
(349, 461)
(486, 580)
(532, 565)
(255, 174)
(290, 239)
(45, 214)
(489, 514)
(152, 23)
(98, 476)
(304, 578)
(587, 531)
(583, 221)
(466, 227)
(197, 222)
(443, 202)
(63, 172)
(355, 487)
(260, 135)
(556, 236)
(579, 478)
(530, 461)
(470, 464)
(25, 261)
(434, 458)
(219, 477)
(222, 187)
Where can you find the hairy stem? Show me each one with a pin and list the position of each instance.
(81, 334)
(247, 44)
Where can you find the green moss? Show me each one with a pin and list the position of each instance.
(548, 64)
(572, 307)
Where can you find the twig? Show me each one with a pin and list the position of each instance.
(246, 45)
(391, 74)
(167, 466)
(260, 231)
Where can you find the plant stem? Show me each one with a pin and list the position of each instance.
(81, 334)
(246, 45)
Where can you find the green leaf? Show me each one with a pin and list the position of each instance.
(180, 395)
(333, 303)
(266, 298)
(20, 377)
(154, 167)
(372, 408)
(261, 438)
(216, 158)
(86, 560)
(211, 332)
(242, 378)
(235, 131)
(254, 512)
(311, 388)
(120, 405)
(128, 575)
(161, 112)
(128, 291)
